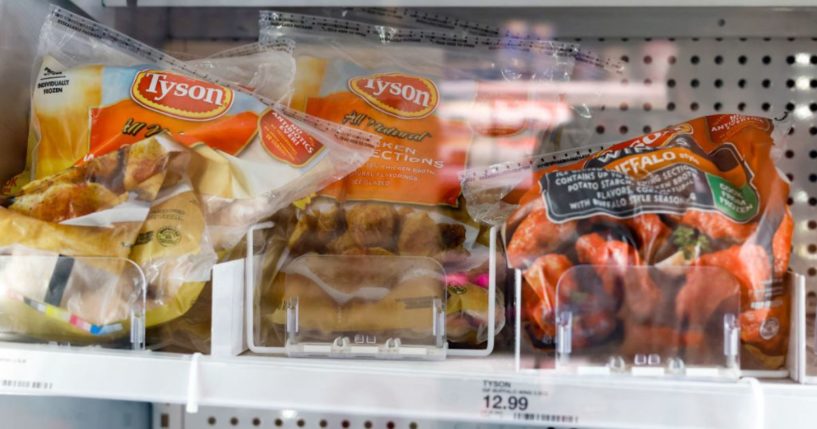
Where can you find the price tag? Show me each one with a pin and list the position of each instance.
(525, 402)
(17, 373)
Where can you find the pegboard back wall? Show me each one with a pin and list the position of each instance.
(691, 77)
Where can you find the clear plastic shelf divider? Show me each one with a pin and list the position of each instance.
(646, 321)
(346, 306)
(72, 300)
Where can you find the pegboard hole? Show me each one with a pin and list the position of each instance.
(670, 106)
(813, 60)
(648, 82)
(790, 106)
(812, 248)
(813, 131)
(671, 83)
(211, 421)
(742, 83)
(813, 107)
(367, 424)
(718, 60)
(812, 272)
(647, 129)
(600, 129)
(695, 59)
(625, 59)
(623, 129)
(812, 177)
(672, 59)
(390, 425)
(647, 107)
(647, 59)
(790, 59)
(789, 201)
(693, 106)
(790, 176)
(812, 201)
(742, 59)
(256, 421)
(765, 107)
(234, 421)
(812, 83)
(694, 83)
(300, 423)
(721, 22)
(812, 224)
(718, 83)
(789, 153)
(323, 423)
(412, 425)
(741, 106)
(345, 423)
(789, 83)
(279, 422)
(767, 59)
(623, 107)
(812, 153)
(766, 83)
(717, 106)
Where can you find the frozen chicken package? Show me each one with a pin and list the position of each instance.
(592, 82)
(667, 223)
(97, 90)
(64, 272)
(429, 96)
(239, 157)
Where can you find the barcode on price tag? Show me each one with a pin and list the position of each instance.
(25, 384)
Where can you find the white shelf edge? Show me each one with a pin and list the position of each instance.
(448, 390)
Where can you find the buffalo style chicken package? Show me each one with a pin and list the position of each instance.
(428, 95)
(663, 232)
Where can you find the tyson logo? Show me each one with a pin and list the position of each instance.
(180, 96)
(403, 96)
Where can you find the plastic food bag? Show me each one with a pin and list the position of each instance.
(173, 247)
(588, 83)
(98, 90)
(265, 68)
(429, 96)
(68, 235)
(704, 193)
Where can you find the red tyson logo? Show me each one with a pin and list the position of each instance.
(403, 96)
(180, 96)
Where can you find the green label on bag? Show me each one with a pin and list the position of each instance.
(738, 203)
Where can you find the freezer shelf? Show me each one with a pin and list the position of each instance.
(477, 390)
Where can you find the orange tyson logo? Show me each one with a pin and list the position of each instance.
(400, 95)
(180, 96)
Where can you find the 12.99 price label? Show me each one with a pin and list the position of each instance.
(519, 401)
